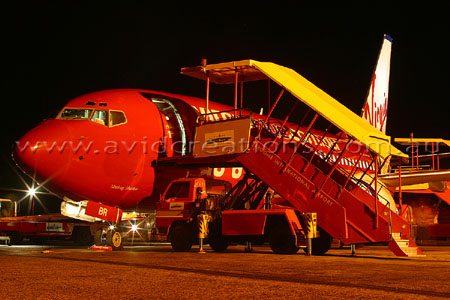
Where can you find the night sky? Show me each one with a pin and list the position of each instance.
(52, 53)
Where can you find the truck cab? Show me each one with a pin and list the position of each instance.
(8, 208)
(183, 200)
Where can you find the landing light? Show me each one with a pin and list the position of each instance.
(31, 192)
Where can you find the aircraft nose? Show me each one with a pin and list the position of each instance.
(41, 152)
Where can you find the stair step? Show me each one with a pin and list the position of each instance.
(412, 252)
(408, 250)
(402, 243)
(416, 255)
(335, 214)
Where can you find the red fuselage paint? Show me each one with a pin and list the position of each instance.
(83, 159)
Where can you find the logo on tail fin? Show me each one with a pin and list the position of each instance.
(375, 107)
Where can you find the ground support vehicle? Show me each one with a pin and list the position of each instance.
(42, 228)
(332, 172)
(193, 209)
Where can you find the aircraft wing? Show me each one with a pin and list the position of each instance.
(426, 157)
(415, 177)
(422, 141)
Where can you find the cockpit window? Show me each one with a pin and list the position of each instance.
(108, 118)
(116, 118)
(75, 113)
(100, 117)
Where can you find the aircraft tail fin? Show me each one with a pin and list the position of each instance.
(375, 108)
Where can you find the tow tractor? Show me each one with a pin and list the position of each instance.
(40, 228)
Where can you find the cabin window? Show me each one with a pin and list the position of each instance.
(116, 118)
(178, 190)
(75, 113)
(100, 117)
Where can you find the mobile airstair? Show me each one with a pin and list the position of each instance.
(333, 171)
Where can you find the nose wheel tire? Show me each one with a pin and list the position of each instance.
(114, 239)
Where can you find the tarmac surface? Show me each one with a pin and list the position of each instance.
(155, 272)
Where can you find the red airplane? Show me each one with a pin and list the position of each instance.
(101, 146)
(117, 150)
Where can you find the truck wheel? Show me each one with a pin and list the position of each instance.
(215, 238)
(82, 236)
(114, 239)
(282, 241)
(320, 245)
(14, 238)
(99, 237)
(38, 240)
(181, 237)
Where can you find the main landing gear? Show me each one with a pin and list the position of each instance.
(109, 236)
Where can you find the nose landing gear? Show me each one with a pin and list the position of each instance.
(109, 236)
